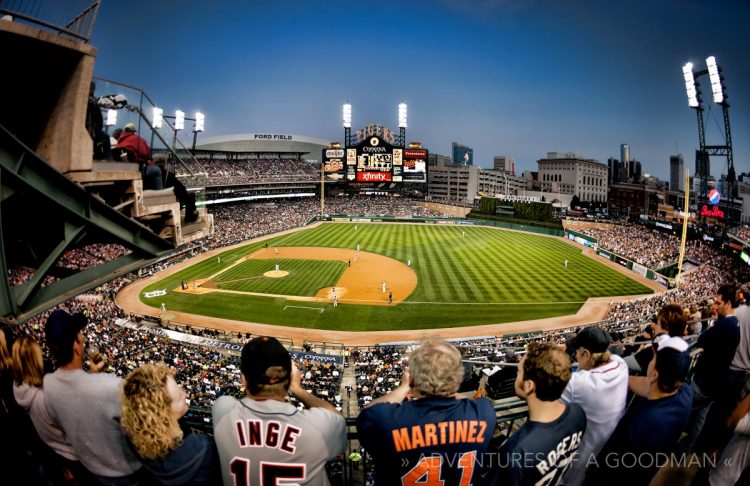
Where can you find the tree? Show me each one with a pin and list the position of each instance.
(575, 202)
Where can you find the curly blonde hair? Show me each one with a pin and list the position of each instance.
(146, 417)
(28, 366)
(6, 363)
(436, 368)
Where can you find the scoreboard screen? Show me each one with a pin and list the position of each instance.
(415, 165)
(333, 164)
(374, 163)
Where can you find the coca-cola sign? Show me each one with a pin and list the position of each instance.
(714, 212)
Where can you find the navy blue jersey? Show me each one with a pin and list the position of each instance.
(540, 453)
(434, 440)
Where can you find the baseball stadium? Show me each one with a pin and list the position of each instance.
(134, 252)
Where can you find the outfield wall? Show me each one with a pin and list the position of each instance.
(338, 218)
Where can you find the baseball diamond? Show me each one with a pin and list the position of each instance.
(488, 276)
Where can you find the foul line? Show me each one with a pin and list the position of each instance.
(237, 280)
(303, 307)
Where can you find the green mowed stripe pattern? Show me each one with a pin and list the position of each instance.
(486, 265)
(305, 277)
(466, 276)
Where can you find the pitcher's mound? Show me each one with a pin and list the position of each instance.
(275, 274)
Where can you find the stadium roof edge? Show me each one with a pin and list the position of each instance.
(259, 137)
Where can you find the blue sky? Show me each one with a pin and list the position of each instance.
(506, 77)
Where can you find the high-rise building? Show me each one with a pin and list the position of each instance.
(465, 184)
(437, 160)
(504, 163)
(635, 172)
(462, 155)
(676, 173)
(613, 171)
(569, 173)
(625, 158)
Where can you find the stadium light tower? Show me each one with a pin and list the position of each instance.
(718, 91)
(111, 118)
(720, 98)
(179, 120)
(200, 123)
(157, 118)
(716, 85)
(157, 121)
(402, 111)
(347, 117)
(690, 86)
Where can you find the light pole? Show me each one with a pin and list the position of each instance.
(111, 120)
(200, 122)
(179, 124)
(157, 121)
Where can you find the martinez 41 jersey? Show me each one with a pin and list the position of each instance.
(430, 441)
(270, 442)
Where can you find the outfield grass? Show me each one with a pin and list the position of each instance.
(305, 277)
(487, 276)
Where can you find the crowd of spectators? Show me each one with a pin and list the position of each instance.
(741, 232)
(207, 373)
(91, 255)
(651, 248)
(224, 172)
(238, 222)
(377, 371)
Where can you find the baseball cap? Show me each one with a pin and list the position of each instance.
(593, 338)
(672, 360)
(260, 354)
(130, 127)
(62, 329)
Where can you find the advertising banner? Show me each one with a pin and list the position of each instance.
(379, 176)
(639, 269)
(333, 165)
(320, 358)
(335, 153)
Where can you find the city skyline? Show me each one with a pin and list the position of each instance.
(504, 79)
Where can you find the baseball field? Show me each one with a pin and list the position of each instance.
(379, 277)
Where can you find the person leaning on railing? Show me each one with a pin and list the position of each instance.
(438, 433)
(132, 147)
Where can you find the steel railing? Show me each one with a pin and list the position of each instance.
(70, 18)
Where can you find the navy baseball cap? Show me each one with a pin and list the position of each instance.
(593, 338)
(673, 360)
(260, 354)
(62, 329)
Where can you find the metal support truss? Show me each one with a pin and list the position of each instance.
(42, 215)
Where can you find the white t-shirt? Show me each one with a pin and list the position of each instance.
(741, 361)
(602, 393)
(262, 439)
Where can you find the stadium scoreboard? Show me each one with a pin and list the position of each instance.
(375, 163)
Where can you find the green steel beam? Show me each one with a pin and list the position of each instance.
(72, 233)
(21, 170)
(65, 289)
